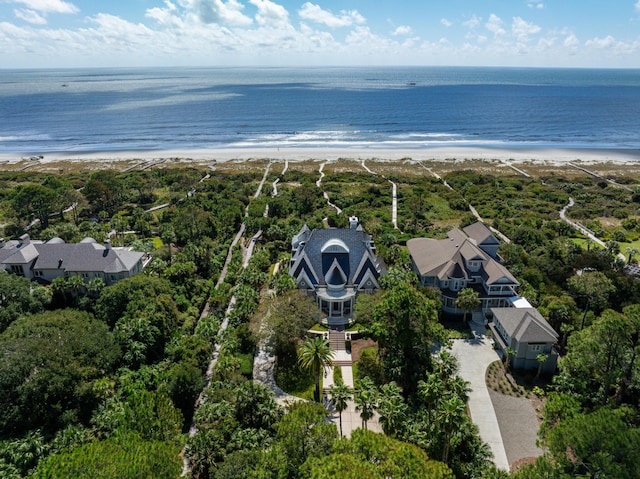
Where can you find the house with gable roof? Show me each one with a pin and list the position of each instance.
(468, 258)
(334, 265)
(525, 330)
(46, 261)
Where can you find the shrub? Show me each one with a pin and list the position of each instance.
(538, 391)
(337, 374)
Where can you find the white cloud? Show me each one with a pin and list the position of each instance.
(49, 6)
(246, 32)
(637, 5)
(473, 22)
(217, 11)
(571, 42)
(536, 4)
(610, 44)
(165, 16)
(446, 22)
(315, 13)
(606, 42)
(30, 16)
(403, 30)
(494, 25)
(522, 29)
(119, 28)
(270, 14)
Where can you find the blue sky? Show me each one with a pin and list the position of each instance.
(552, 33)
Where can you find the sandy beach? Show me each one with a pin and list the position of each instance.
(553, 156)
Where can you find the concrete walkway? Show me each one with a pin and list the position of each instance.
(263, 373)
(351, 419)
(474, 356)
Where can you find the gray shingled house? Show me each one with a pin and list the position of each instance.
(468, 258)
(334, 265)
(46, 261)
(527, 332)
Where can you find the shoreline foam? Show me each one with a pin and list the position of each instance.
(552, 155)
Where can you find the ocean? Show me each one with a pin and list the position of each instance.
(90, 110)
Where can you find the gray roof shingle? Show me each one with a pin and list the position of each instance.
(85, 257)
(333, 241)
(525, 325)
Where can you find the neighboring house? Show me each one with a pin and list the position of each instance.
(526, 332)
(335, 264)
(468, 258)
(46, 261)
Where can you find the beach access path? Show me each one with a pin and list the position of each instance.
(246, 254)
(474, 212)
(324, 193)
(394, 196)
(583, 229)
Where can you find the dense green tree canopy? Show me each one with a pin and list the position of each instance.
(17, 298)
(406, 327)
(304, 433)
(367, 454)
(50, 361)
(598, 444)
(602, 361)
(126, 455)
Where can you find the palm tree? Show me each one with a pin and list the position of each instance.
(450, 415)
(391, 408)
(95, 287)
(340, 394)
(431, 390)
(631, 252)
(445, 365)
(509, 353)
(541, 358)
(314, 354)
(588, 242)
(459, 387)
(467, 301)
(365, 399)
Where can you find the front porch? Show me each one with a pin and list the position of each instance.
(336, 321)
(337, 305)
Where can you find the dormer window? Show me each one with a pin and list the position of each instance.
(335, 277)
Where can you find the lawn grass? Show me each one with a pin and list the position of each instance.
(291, 379)
(582, 242)
(457, 329)
(246, 364)
(457, 334)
